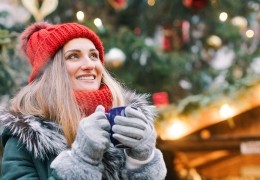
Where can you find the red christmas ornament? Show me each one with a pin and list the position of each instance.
(167, 44)
(185, 31)
(196, 4)
(160, 99)
(167, 41)
(118, 4)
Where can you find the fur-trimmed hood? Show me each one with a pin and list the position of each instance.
(43, 137)
(40, 137)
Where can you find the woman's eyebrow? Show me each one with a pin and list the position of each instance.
(72, 50)
(93, 50)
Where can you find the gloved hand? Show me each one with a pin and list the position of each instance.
(93, 137)
(135, 132)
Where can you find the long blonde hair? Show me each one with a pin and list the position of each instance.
(51, 97)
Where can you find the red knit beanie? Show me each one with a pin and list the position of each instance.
(41, 40)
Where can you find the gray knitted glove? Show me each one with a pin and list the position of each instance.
(135, 132)
(92, 137)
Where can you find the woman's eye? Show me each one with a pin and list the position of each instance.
(94, 55)
(72, 56)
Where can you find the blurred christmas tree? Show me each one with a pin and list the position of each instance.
(182, 47)
(12, 68)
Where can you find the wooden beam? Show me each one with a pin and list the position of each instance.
(214, 143)
(208, 157)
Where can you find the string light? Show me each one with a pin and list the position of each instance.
(80, 16)
(98, 23)
(250, 33)
(223, 16)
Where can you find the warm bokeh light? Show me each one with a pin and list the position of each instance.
(214, 41)
(98, 22)
(151, 2)
(205, 134)
(176, 130)
(250, 33)
(80, 16)
(226, 111)
(223, 16)
(240, 22)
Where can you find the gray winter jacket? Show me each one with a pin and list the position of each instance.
(35, 148)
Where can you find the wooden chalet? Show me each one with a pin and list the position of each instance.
(218, 142)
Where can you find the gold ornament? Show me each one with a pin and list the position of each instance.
(47, 7)
(115, 58)
(214, 41)
(240, 22)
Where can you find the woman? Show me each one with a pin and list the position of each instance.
(56, 126)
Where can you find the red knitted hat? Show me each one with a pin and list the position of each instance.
(41, 40)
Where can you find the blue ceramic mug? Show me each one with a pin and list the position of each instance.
(112, 113)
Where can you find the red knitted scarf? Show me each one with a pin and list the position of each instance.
(89, 100)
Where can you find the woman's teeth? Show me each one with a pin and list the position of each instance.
(86, 78)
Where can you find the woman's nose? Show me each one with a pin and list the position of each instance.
(87, 63)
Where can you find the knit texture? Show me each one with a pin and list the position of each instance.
(41, 40)
(89, 100)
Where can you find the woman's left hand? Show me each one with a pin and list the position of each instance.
(135, 132)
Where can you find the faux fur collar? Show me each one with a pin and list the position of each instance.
(43, 137)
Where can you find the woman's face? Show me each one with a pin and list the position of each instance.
(83, 64)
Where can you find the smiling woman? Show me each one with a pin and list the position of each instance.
(56, 126)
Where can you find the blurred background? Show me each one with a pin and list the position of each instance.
(199, 60)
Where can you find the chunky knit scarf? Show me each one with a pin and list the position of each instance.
(89, 100)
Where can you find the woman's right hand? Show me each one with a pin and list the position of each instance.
(93, 137)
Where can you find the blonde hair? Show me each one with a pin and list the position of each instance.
(115, 88)
(51, 97)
